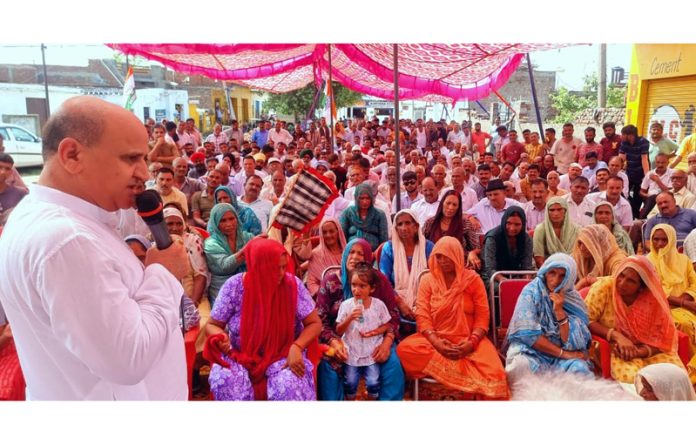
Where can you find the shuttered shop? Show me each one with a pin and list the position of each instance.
(672, 102)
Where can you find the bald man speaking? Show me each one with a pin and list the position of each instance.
(89, 321)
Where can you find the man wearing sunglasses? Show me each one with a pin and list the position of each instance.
(411, 194)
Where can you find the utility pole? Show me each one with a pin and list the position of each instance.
(602, 88)
(43, 59)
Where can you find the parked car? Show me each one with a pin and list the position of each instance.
(22, 145)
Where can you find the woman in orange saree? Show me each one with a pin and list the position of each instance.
(452, 317)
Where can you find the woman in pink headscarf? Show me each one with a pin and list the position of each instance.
(328, 253)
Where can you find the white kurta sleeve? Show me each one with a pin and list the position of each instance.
(117, 333)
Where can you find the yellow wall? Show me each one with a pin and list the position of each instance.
(650, 62)
(237, 92)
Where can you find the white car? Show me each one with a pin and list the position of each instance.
(22, 145)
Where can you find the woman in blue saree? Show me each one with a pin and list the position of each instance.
(333, 290)
(549, 328)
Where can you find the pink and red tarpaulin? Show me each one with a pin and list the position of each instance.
(434, 72)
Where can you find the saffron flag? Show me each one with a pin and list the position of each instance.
(330, 108)
(306, 201)
(129, 90)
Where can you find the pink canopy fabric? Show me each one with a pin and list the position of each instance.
(435, 72)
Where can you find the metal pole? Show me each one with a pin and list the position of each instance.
(534, 96)
(43, 59)
(332, 105)
(397, 139)
(602, 89)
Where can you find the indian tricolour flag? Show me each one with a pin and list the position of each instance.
(330, 107)
(129, 90)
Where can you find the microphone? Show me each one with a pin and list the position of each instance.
(149, 205)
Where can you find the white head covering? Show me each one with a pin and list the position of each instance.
(405, 281)
(668, 381)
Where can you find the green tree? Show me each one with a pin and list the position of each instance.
(569, 103)
(298, 102)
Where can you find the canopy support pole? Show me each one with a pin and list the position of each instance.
(397, 138)
(534, 96)
(331, 104)
(43, 62)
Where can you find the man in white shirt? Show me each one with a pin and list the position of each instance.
(574, 171)
(684, 198)
(622, 208)
(564, 150)
(691, 174)
(656, 181)
(489, 212)
(469, 198)
(261, 207)
(580, 207)
(94, 326)
(279, 134)
(217, 138)
(427, 207)
(457, 136)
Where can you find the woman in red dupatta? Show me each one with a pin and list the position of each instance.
(452, 316)
(630, 310)
(271, 319)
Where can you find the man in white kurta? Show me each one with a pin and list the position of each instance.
(89, 321)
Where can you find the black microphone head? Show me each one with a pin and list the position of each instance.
(149, 205)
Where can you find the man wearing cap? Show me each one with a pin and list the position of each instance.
(489, 212)
(198, 169)
(273, 166)
(260, 161)
(574, 170)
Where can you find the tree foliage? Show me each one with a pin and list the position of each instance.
(297, 103)
(569, 103)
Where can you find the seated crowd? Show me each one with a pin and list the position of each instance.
(392, 281)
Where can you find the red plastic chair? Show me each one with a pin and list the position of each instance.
(509, 291)
(190, 348)
(605, 352)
